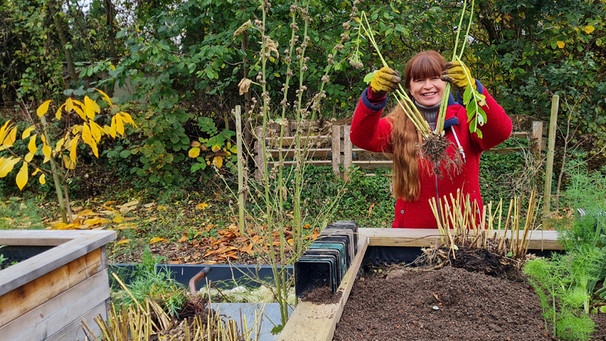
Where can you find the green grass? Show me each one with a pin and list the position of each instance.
(22, 213)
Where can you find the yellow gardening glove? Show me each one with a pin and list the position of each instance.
(385, 80)
(455, 74)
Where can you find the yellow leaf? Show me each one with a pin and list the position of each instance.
(59, 144)
(46, 151)
(202, 206)
(561, 44)
(123, 241)
(118, 219)
(157, 240)
(588, 29)
(73, 150)
(87, 137)
(95, 221)
(216, 148)
(4, 131)
(69, 104)
(194, 152)
(105, 97)
(31, 146)
(60, 226)
(42, 179)
(10, 138)
(22, 176)
(79, 111)
(27, 132)
(127, 118)
(7, 165)
(67, 163)
(118, 125)
(111, 131)
(91, 108)
(96, 130)
(29, 157)
(59, 111)
(218, 161)
(43, 108)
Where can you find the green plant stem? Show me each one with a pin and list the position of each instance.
(56, 177)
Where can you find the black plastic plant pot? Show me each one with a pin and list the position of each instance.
(315, 271)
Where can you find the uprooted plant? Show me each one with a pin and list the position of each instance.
(483, 243)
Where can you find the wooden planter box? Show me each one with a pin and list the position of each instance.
(48, 295)
(313, 321)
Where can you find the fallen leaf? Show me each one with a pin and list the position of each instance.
(155, 240)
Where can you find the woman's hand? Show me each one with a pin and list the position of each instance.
(456, 74)
(385, 80)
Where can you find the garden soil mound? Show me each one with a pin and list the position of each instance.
(403, 303)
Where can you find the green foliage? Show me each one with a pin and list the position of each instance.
(150, 281)
(368, 199)
(553, 282)
(571, 326)
(217, 149)
(506, 175)
(31, 69)
(567, 284)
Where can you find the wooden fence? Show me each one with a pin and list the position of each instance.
(332, 146)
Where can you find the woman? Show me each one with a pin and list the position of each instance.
(415, 180)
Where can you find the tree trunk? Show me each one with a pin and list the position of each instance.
(55, 12)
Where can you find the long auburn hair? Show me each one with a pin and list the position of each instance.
(405, 139)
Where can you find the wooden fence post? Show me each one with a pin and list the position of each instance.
(555, 103)
(536, 136)
(336, 149)
(347, 152)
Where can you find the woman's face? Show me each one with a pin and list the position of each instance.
(428, 91)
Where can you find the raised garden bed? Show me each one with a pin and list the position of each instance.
(59, 280)
(313, 320)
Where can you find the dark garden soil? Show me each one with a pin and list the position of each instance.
(404, 303)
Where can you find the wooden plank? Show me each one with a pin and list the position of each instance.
(81, 243)
(307, 153)
(292, 162)
(54, 237)
(62, 316)
(520, 134)
(289, 141)
(75, 330)
(23, 299)
(311, 321)
(538, 239)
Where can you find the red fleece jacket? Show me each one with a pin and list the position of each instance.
(372, 132)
